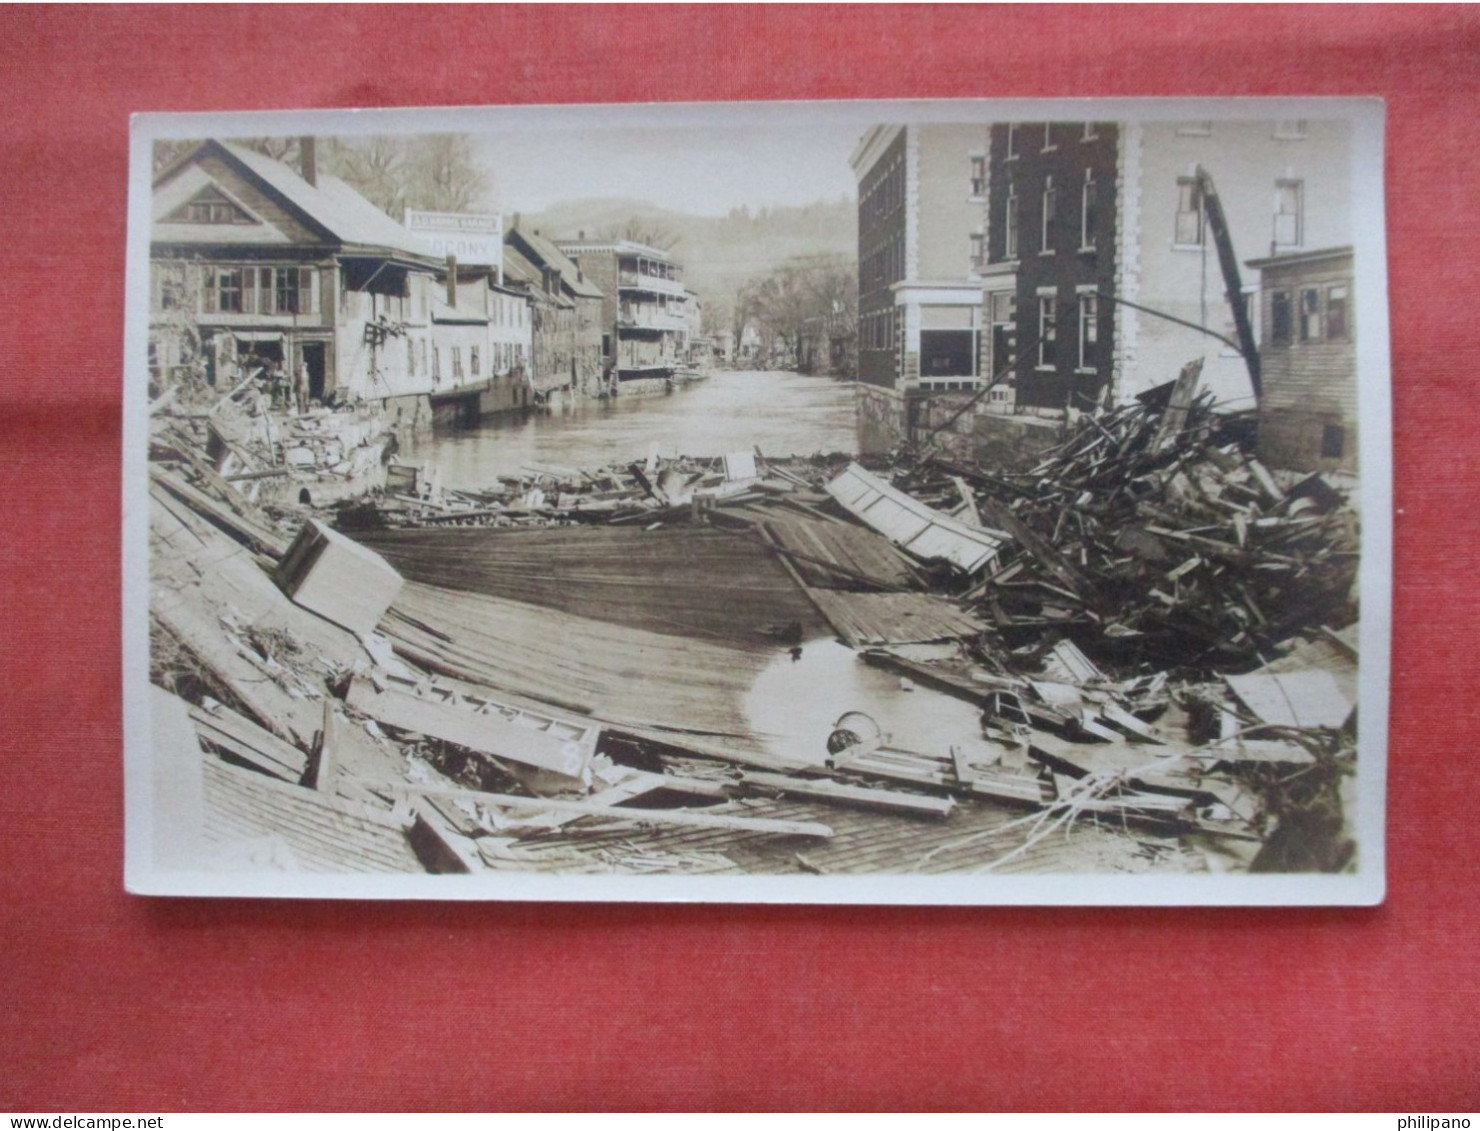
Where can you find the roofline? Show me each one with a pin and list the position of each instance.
(617, 247)
(871, 147)
(1294, 257)
(266, 186)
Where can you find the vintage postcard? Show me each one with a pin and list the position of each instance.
(897, 502)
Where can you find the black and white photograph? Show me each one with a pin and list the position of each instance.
(869, 502)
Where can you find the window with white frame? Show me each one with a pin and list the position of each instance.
(1048, 331)
(1088, 211)
(1048, 144)
(1089, 331)
(1010, 223)
(1050, 209)
(1336, 320)
(1310, 314)
(1281, 318)
(1289, 213)
(225, 288)
(978, 250)
(1004, 331)
(1189, 226)
(1012, 141)
(285, 290)
(978, 176)
(473, 360)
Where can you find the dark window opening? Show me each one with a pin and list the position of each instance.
(1048, 332)
(1336, 312)
(1333, 441)
(1310, 315)
(947, 353)
(1279, 318)
(1189, 231)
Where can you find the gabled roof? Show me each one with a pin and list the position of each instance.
(518, 269)
(543, 252)
(331, 205)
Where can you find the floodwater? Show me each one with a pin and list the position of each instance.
(793, 704)
(779, 412)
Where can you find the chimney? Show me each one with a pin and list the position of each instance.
(308, 161)
(452, 281)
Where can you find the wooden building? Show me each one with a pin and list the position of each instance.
(1308, 407)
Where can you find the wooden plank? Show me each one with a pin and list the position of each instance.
(326, 751)
(496, 733)
(968, 501)
(244, 738)
(232, 521)
(863, 797)
(1174, 417)
(640, 816)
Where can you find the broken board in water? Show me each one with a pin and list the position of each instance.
(342, 581)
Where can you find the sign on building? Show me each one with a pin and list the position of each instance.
(476, 239)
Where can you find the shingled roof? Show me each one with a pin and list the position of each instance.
(330, 204)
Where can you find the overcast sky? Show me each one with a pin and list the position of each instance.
(701, 171)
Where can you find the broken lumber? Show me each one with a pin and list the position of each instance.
(863, 797)
(481, 725)
(248, 743)
(640, 816)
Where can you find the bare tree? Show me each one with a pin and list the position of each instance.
(803, 289)
(376, 167)
(444, 174)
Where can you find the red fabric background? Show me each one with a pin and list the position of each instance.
(119, 1003)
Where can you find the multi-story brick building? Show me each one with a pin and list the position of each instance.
(1051, 255)
(921, 231)
(920, 225)
(644, 324)
(1083, 214)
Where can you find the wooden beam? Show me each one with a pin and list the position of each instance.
(639, 816)
(251, 743)
(824, 789)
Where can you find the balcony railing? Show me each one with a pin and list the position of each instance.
(649, 319)
(638, 281)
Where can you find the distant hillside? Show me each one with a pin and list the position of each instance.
(718, 252)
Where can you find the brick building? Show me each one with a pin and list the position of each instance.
(920, 223)
(645, 328)
(1050, 255)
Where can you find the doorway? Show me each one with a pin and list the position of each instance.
(313, 354)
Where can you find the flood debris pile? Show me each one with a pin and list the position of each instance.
(657, 489)
(245, 445)
(1156, 636)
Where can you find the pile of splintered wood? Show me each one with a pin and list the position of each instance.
(641, 492)
(1154, 535)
